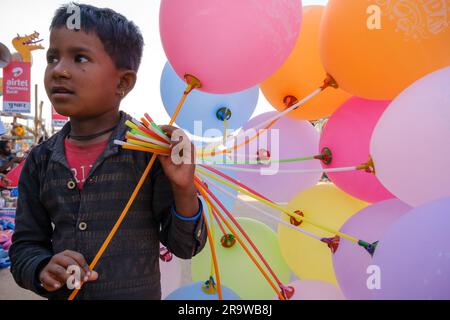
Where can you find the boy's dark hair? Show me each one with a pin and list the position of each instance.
(121, 38)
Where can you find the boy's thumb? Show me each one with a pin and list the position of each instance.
(93, 276)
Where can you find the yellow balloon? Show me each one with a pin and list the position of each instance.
(324, 204)
(302, 73)
(375, 49)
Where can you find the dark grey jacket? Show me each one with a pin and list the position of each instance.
(53, 216)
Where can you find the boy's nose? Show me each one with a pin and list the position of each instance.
(61, 70)
(62, 74)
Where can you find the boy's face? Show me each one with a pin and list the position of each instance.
(81, 79)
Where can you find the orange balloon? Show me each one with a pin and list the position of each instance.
(375, 49)
(302, 73)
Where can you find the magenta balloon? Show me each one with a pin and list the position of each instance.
(347, 134)
(287, 138)
(350, 261)
(414, 255)
(229, 45)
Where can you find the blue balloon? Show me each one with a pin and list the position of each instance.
(194, 292)
(206, 107)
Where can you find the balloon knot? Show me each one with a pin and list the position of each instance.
(165, 255)
(209, 287)
(332, 243)
(227, 240)
(369, 247)
(262, 155)
(193, 83)
(368, 167)
(287, 291)
(325, 155)
(329, 82)
(223, 114)
(294, 221)
(289, 101)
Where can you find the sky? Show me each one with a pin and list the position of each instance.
(25, 16)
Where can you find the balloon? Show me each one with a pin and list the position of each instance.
(201, 106)
(350, 262)
(194, 292)
(325, 204)
(410, 144)
(170, 275)
(237, 271)
(302, 73)
(374, 49)
(347, 134)
(315, 290)
(287, 138)
(229, 45)
(414, 257)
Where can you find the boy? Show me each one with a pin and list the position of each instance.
(74, 186)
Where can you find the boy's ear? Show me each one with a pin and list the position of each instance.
(127, 80)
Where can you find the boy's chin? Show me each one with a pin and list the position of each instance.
(66, 110)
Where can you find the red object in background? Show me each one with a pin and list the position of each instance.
(14, 176)
(16, 87)
(57, 119)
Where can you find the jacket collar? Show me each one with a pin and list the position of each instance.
(58, 149)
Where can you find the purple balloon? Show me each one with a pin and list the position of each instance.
(414, 255)
(350, 261)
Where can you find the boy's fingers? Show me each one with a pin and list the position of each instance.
(48, 282)
(67, 261)
(58, 272)
(79, 258)
(168, 129)
(93, 276)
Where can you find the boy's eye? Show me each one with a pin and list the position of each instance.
(81, 59)
(51, 59)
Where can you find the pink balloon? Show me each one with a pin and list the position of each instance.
(350, 261)
(410, 144)
(229, 45)
(347, 134)
(287, 138)
(315, 290)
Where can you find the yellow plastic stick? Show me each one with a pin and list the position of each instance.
(146, 144)
(215, 264)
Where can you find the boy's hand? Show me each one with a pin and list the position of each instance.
(179, 166)
(55, 275)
